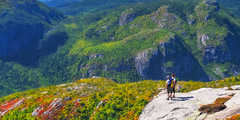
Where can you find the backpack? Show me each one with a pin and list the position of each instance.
(169, 82)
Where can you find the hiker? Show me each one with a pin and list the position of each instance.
(169, 88)
(174, 84)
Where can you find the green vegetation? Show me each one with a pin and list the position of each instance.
(96, 44)
(232, 6)
(128, 99)
(99, 98)
(22, 25)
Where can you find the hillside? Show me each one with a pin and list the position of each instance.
(195, 39)
(93, 98)
(58, 3)
(24, 37)
(73, 7)
(136, 41)
(232, 6)
(67, 6)
(23, 25)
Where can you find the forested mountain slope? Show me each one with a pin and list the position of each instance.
(23, 25)
(232, 6)
(24, 31)
(195, 39)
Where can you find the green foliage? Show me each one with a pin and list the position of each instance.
(119, 101)
(100, 98)
(227, 82)
(98, 46)
(232, 6)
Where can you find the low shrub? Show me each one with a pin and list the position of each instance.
(217, 106)
(235, 117)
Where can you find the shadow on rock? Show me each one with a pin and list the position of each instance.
(183, 98)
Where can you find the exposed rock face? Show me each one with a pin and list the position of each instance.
(219, 53)
(8, 106)
(186, 105)
(164, 19)
(212, 3)
(234, 101)
(232, 109)
(202, 40)
(142, 62)
(96, 56)
(168, 57)
(126, 17)
(236, 87)
(50, 111)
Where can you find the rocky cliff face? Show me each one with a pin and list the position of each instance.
(203, 47)
(213, 46)
(126, 17)
(169, 57)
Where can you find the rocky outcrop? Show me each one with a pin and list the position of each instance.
(186, 105)
(202, 40)
(8, 106)
(126, 17)
(232, 109)
(212, 3)
(169, 57)
(165, 19)
(142, 61)
(49, 111)
(213, 53)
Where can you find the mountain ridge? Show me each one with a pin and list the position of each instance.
(196, 39)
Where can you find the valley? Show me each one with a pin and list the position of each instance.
(78, 49)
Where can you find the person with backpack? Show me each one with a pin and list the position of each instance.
(169, 87)
(174, 84)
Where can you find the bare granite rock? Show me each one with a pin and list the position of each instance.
(185, 106)
(236, 87)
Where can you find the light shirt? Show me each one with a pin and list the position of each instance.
(167, 81)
